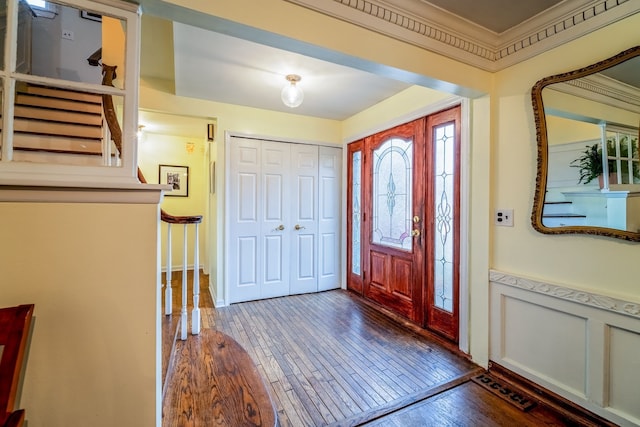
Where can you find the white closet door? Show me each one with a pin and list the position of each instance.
(329, 218)
(244, 237)
(259, 214)
(276, 222)
(304, 209)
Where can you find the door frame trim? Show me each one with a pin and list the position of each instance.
(465, 196)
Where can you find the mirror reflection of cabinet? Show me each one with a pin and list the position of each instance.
(588, 178)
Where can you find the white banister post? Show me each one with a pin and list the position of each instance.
(168, 293)
(195, 314)
(183, 310)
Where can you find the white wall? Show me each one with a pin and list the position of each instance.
(53, 56)
(580, 345)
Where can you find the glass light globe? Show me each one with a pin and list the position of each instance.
(292, 95)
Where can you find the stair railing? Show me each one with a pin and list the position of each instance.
(109, 73)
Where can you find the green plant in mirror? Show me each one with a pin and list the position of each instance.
(590, 161)
(589, 164)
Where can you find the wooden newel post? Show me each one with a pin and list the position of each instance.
(195, 314)
(183, 310)
(168, 292)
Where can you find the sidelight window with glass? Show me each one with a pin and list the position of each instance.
(444, 215)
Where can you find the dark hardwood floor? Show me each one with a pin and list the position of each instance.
(331, 359)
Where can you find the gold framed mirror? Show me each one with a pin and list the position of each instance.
(588, 172)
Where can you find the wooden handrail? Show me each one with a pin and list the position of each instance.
(108, 74)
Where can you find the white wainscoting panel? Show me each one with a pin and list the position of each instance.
(557, 354)
(583, 346)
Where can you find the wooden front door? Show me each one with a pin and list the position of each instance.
(393, 250)
(403, 224)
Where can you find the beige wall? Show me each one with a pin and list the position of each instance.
(113, 47)
(155, 150)
(563, 131)
(91, 271)
(581, 262)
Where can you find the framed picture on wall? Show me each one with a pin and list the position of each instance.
(177, 177)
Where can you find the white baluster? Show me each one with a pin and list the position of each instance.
(195, 314)
(168, 292)
(183, 311)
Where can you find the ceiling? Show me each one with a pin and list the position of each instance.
(495, 15)
(209, 65)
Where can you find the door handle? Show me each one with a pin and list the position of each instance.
(280, 227)
(415, 233)
(299, 227)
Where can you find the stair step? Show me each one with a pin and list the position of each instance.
(564, 215)
(52, 92)
(52, 158)
(57, 115)
(59, 144)
(52, 128)
(58, 104)
(563, 220)
(557, 207)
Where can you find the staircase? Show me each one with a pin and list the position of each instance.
(53, 125)
(560, 214)
(56, 125)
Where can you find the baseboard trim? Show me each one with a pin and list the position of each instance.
(575, 413)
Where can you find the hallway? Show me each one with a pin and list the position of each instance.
(331, 359)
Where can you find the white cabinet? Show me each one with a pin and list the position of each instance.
(284, 219)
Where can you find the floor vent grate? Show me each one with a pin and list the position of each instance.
(505, 391)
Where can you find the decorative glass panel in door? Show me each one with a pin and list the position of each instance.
(393, 210)
(444, 162)
(443, 259)
(356, 212)
(392, 189)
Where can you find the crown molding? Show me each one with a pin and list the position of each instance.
(603, 90)
(434, 29)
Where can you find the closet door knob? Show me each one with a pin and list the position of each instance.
(281, 227)
(299, 227)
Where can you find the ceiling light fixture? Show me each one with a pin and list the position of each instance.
(292, 95)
